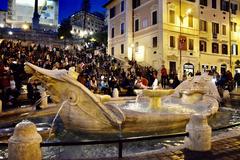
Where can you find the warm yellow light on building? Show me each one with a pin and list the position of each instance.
(140, 54)
(62, 37)
(189, 11)
(25, 27)
(130, 53)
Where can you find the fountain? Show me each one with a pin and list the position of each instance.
(86, 112)
(192, 96)
(155, 96)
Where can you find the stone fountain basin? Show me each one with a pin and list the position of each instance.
(191, 96)
(157, 92)
(160, 121)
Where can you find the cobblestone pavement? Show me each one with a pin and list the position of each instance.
(226, 149)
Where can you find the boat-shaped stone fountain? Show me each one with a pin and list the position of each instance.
(167, 110)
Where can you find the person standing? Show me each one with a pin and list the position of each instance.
(237, 78)
(164, 76)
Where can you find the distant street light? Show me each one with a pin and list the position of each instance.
(1, 25)
(62, 37)
(25, 27)
(10, 33)
(93, 40)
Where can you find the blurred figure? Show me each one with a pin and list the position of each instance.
(198, 73)
(176, 82)
(163, 76)
(237, 78)
(93, 84)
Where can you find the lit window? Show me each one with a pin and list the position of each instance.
(235, 49)
(190, 20)
(172, 16)
(144, 23)
(191, 44)
(203, 25)
(224, 32)
(224, 49)
(215, 48)
(203, 46)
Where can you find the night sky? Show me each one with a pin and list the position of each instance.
(68, 7)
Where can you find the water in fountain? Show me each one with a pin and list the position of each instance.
(138, 93)
(120, 130)
(136, 105)
(38, 102)
(52, 124)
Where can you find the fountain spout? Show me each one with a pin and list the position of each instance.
(156, 97)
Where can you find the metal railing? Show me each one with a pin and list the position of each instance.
(120, 141)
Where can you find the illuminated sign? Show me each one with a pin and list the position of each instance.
(46, 9)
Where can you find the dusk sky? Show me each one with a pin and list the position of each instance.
(68, 7)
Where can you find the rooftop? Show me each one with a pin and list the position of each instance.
(105, 5)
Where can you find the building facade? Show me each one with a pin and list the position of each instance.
(184, 35)
(3, 15)
(93, 24)
(21, 12)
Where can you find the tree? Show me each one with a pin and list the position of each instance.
(101, 37)
(65, 29)
(85, 7)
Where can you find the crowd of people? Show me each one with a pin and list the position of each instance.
(98, 71)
